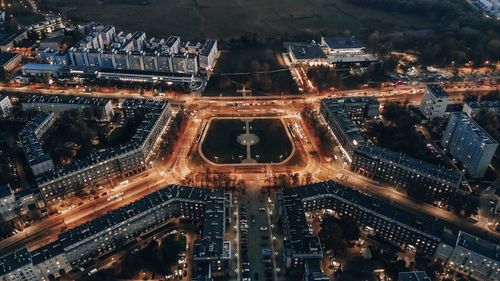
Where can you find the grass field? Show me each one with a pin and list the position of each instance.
(194, 19)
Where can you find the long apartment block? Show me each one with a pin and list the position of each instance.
(342, 116)
(104, 48)
(102, 235)
(126, 159)
(32, 136)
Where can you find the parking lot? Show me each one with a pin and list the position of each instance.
(255, 239)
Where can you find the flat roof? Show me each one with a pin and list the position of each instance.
(479, 246)
(341, 43)
(437, 90)
(303, 51)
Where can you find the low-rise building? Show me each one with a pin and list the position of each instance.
(434, 101)
(5, 106)
(50, 261)
(306, 53)
(41, 70)
(467, 142)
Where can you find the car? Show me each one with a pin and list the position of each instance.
(263, 228)
(262, 209)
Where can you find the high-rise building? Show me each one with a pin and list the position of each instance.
(467, 142)
(434, 101)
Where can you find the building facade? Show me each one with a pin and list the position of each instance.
(417, 177)
(467, 142)
(434, 101)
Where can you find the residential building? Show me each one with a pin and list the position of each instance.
(98, 109)
(208, 54)
(409, 231)
(8, 43)
(9, 61)
(116, 228)
(467, 142)
(32, 136)
(434, 101)
(413, 276)
(17, 266)
(8, 204)
(356, 108)
(5, 106)
(475, 257)
(50, 261)
(473, 108)
(417, 177)
(124, 160)
(343, 116)
(47, 26)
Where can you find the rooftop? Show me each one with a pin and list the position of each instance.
(437, 90)
(6, 57)
(479, 132)
(413, 276)
(304, 51)
(484, 104)
(14, 260)
(420, 222)
(341, 43)
(475, 244)
(410, 163)
(5, 190)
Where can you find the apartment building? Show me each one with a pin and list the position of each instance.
(123, 160)
(436, 183)
(475, 257)
(467, 142)
(343, 117)
(397, 226)
(97, 109)
(32, 136)
(434, 101)
(95, 238)
(105, 49)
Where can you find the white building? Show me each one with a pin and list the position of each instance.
(434, 102)
(5, 106)
(467, 142)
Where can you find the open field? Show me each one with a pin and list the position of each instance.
(194, 19)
